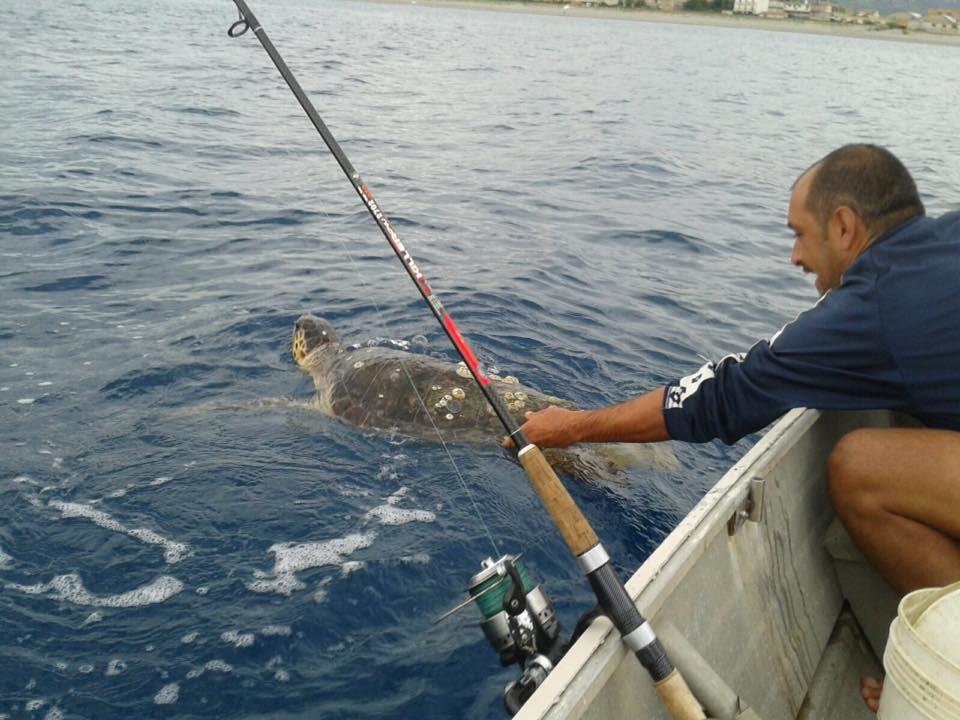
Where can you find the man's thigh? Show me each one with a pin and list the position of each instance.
(914, 473)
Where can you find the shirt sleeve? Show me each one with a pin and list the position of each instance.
(832, 357)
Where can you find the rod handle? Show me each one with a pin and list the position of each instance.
(573, 526)
(678, 699)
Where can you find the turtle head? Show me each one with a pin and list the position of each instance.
(312, 337)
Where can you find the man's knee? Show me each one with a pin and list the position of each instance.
(847, 473)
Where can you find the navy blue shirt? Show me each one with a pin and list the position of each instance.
(887, 337)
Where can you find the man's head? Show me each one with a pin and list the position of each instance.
(844, 202)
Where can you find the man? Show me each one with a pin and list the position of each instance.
(885, 333)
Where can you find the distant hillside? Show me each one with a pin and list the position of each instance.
(887, 7)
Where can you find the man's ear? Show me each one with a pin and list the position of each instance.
(845, 228)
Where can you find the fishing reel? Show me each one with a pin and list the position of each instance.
(519, 622)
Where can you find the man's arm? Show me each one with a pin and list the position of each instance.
(638, 420)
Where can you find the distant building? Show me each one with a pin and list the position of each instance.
(940, 21)
(797, 8)
(821, 9)
(903, 20)
(775, 9)
(751, 7)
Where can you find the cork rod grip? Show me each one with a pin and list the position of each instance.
(677, 698)
(573, 526)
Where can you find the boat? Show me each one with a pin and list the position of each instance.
(759, 596)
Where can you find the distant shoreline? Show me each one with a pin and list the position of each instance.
(689, 18)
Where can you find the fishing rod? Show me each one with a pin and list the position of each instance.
(576, 531)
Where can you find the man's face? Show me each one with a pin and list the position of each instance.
(813, 251)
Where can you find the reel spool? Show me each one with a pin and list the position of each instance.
(520, 623)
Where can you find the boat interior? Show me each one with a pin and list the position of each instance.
(759, 596)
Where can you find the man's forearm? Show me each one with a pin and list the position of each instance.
(637, 420)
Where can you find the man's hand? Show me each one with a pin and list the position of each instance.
(551, 427)
(638, 420)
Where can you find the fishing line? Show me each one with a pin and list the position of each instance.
(580, 538)
(423, 404)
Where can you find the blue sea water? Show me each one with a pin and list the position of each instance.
(598, 204)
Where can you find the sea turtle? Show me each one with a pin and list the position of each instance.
(416, 396)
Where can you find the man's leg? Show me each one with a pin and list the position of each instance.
(898, 493)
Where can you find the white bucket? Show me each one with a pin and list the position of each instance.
(922, 658)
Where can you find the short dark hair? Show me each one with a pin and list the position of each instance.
(868, 179)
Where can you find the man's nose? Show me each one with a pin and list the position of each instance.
(795, 255)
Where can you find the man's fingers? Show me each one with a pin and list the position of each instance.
(507, 442)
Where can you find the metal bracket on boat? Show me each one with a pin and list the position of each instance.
(750, 509)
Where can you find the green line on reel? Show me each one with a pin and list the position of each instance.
(489, 599)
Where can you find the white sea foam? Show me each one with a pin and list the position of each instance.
(320, 594)
(92, 618)
(416, 559)
(392, 515)
(276, 631)
(167, 695)
(285, 584)
(294, 557)
(5, 560)
(346, 492)
(398, 495)
(387, 472)
(54, 713)
(189, 638)
(351, 566)
(34, 705)
(160, 481)
(69, 588)
(211, 666)
(291, 558)
(238, 639)
(26, 401)
(173, 552)
(116, 667)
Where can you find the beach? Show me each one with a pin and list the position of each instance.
(745, 22)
